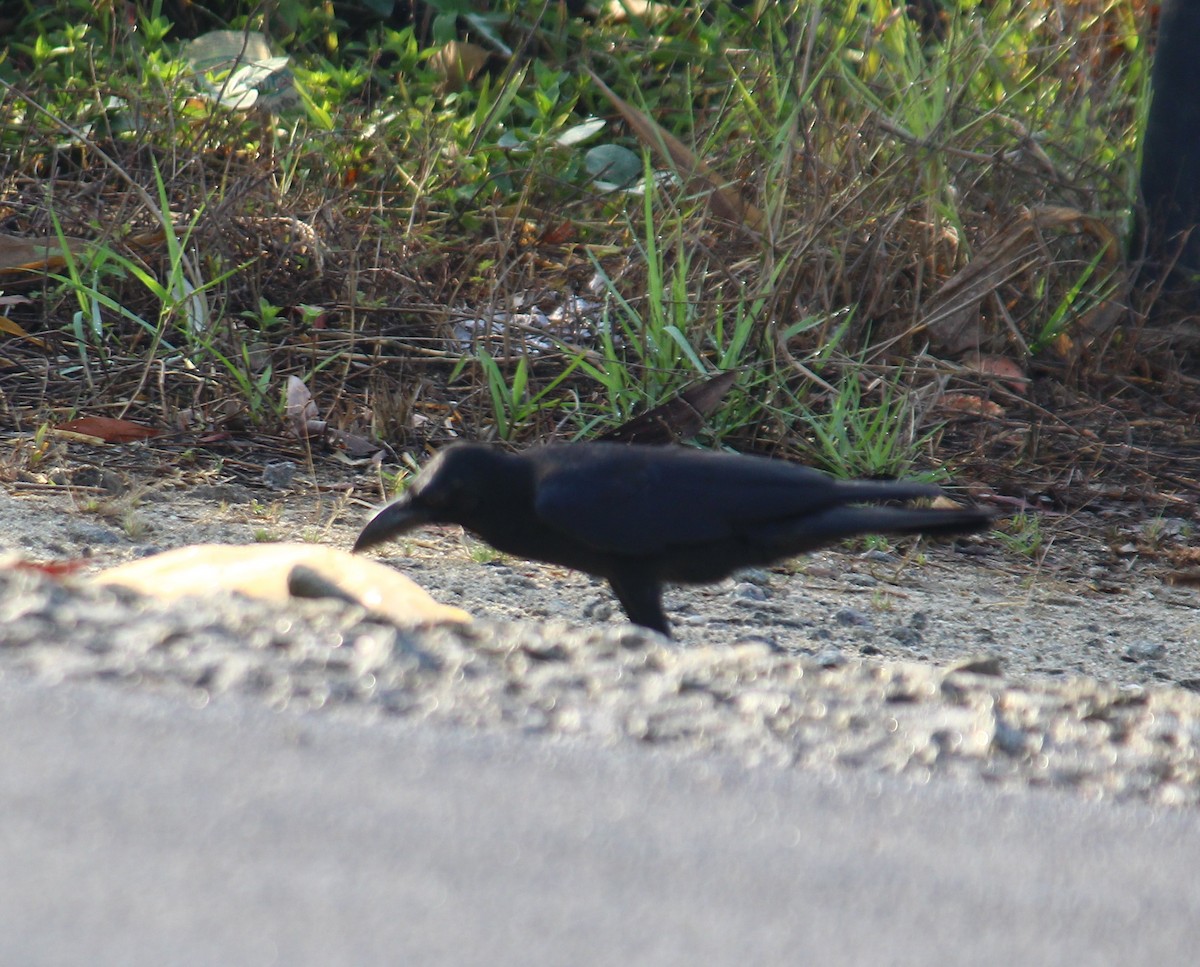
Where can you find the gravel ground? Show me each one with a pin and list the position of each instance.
(958, 661)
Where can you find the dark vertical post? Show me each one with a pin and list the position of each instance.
(1170, 175)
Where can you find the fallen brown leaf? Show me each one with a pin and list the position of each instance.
(678, 418)
(20, 255)
(952, 317)
(457, 64)
(970, 404)
(266, 571)
(1012, 375)
(108, 429)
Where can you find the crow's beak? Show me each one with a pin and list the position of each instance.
(395, 519)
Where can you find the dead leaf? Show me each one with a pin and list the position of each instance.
(970, 404)
(302, 412)
(557, 234)
(353, 444)
(108, 429)
(1185, 579)
(266, 571)
(54, 569)
(16, 329)
(942, 502)
(726, 202)
(457, 64)
(677, 419)
(1012, 375)
(20, 255)
(952, 316)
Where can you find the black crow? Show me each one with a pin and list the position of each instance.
(640, 516)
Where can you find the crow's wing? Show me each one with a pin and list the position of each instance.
(642, 500)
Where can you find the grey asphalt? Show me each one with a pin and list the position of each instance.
(138, 830)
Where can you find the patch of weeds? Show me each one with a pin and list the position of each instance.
(1021, 534)
(665, 337)
(27, 453)
(884, 154)
(120, 511)
(134, 525)
(854, 437)
(262, 535)
(1161, 533)
(515, 403)
(269, 512)
(1153, 533)
(266, 317)
(882, 602)
(876, 542)
(393, 483)
(1083, 296)
(180, 305)
(254, 378)
(481, 553)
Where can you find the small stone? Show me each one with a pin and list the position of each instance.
(755, 575)
(1145, 651)
(93, 534)
(909, 637)
(849, 617)
(279, 474)
(598, 610)
(991, 665)
(831, 658)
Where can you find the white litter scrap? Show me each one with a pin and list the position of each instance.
(237, 70)
(576, 321)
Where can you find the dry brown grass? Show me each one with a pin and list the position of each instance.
(1001, 206)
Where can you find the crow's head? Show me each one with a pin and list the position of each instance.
(449, 490)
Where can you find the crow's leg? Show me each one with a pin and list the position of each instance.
(641, 597)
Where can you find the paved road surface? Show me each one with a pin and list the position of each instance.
(138, 831)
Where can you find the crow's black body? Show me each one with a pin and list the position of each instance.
(642, 516)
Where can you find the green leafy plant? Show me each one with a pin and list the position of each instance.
(1022, 534)
(853, 437)
(515, 402)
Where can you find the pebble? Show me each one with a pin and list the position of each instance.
(94, 534)
(1145, 651)
(909, 637)
(852, 618)
(278, 474)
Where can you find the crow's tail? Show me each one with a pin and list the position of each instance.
(817, 530)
